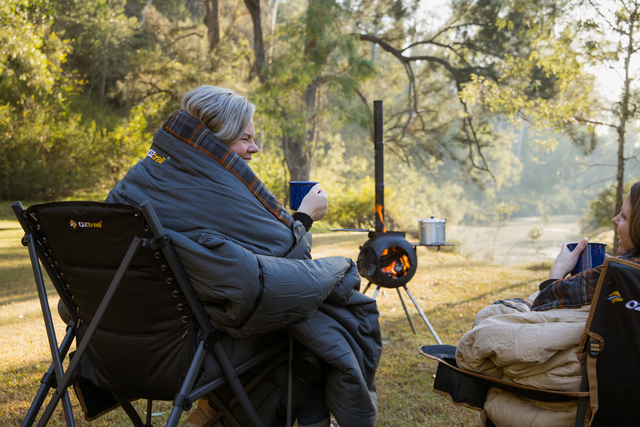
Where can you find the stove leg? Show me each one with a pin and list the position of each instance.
(375, 294)
(366, 288)
(433, 332)
(406, 312)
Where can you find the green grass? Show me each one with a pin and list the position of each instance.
(449, 288)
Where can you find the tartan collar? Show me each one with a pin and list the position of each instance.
(188, 129)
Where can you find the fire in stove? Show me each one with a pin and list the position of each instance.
(394, 262)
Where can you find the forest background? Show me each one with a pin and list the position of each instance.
(493, 108)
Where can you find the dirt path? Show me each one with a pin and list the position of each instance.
(511, 243)
(508, 244)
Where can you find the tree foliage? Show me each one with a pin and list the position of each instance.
(509, 46)
(602, 210)
(84, 84)
(610, 37)
(311, 62)
(597, 33)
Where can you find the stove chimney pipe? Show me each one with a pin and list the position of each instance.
(378, 143)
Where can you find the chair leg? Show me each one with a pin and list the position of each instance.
(149, 412)
(51, 335)
(48, 380)
(290, 385)
(65, 378)
(582, 402)
(226, 409)
(182, 401)
(235, 384)
(128, 408)
(47, 383)
(53, 403)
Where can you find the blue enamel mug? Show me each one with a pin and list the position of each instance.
(592, 257)
(297, 191)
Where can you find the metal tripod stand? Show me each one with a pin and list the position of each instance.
(424, 317)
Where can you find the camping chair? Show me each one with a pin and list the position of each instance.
(611, 341)
(140, 329)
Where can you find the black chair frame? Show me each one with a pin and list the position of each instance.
(58, 379)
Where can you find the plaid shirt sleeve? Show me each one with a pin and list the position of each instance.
(572, 292)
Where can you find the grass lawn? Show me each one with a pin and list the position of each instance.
(449, 288)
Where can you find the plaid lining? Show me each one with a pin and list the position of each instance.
(190, 130)
(573, 292)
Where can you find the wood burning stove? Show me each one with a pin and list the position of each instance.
(387, 259)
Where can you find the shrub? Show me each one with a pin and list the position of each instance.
(601, 210)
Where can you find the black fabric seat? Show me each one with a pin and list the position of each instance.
(611, 342)
(141, 331)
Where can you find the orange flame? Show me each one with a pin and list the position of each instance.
(399, 262)
(380, 214)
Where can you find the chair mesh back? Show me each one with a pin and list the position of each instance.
(143, 344)
(617, 320)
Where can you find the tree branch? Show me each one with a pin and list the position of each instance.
(467, 124)
(182, 37)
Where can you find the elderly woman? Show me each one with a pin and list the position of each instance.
(230, 117)
(249, 259)
(535, 342)
(195, 161)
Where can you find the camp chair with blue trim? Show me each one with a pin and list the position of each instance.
(610, 388)
(140, 329)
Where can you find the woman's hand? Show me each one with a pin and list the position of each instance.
(315, 203)
(566, 260)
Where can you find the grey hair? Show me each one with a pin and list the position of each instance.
(224, 112)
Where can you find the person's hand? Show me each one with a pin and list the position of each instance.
(566, 260)
(315, 203)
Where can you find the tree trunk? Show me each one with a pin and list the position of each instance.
(299, 145)
(296, 156)
(258, 45)
(273, 10)
(624, 117)
(619, 184)
(104, 72)
(212, 23)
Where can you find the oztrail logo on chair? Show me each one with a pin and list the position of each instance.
(615, 297)
(81, 224)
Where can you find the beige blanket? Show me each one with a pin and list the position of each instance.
(538, 349)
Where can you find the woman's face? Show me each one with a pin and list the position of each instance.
(622, 222)
(245, 147)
